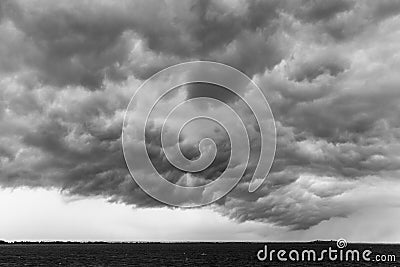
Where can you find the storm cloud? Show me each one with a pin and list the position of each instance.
(328, 69)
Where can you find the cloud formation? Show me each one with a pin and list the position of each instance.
(328, 70)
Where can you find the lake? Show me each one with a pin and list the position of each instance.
(174, 254)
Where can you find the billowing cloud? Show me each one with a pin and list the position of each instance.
(328, 70)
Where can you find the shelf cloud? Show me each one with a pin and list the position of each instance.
(328, 69)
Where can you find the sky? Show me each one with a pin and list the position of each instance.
(329, 70)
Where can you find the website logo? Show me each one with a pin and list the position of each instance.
(160, 111)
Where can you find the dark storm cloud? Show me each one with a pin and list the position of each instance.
(83, 43)
(384, 9)
(1, 11)
(329, 70)
(210, 90)
(190, 151)
(71, 44)
(312, 11)
(326, 62)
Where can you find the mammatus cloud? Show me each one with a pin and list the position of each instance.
(328, 70)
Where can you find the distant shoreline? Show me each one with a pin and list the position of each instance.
(321, 242)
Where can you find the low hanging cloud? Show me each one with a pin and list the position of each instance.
(328, 70)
